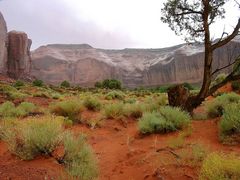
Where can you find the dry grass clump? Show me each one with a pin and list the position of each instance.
(68, 108)
(219, 166)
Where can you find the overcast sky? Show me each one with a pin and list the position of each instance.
(101, 23)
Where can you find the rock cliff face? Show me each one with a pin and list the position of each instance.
(84, 65)
(3, 45)
(19, 61)
(15, 59)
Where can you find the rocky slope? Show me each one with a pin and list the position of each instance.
(84, 65)
(15, 59)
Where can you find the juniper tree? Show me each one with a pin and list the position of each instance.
(193, 19)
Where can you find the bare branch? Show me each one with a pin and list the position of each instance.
(228, 38)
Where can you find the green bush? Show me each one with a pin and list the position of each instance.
(115, 95)
(79, 158)
(215, 107)
(111, 84)
(33, 137)
(92, 103)
(220, 167)
(236, 85)
(113, 110)
(18, 83)
(68, 108)
(38, 83)
(230, 121)
(219, 79)
(166, 120)
(98, 85)
(8, 109)
(133, 110)
(65, 84)
(179, 118)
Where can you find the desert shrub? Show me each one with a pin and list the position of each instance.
(220, 167)
(16, 95)
(111, 84)
(38, 83)
(68, 108)
(179, 118)
(219, 79)
(166, 120)
(113, 110)
(130, 101)
(230, 121)
(188, 86)
(79, 158)
(18, 83)
(91, 103)
(65, 84)
(215, 107)
(33, 137)
(133, 110)
(115, 95)
(236, 85)
(98, 85)
(8, 109)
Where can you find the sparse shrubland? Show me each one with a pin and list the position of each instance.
(8, 109)
(219, 166)
(216, 107)
(79, 158)
(230, 122)
(115, 95)
(33, 137)
(113, 111)
(92, 103)
(133, 110)
(68, 108)
(168, 119)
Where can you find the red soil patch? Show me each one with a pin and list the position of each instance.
(122, 153)
(39, 101)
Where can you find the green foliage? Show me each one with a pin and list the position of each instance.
(166, 120)
(91, 103)
(179, 118)
(230, 121)
(109, 84)
(65, 84)
(8, 109)
(236, 85)
(133, 110)
(215, 107)
(68, 108)
(38, 83)
(33, 137)
(113, 110)
(115, 95)
(220, 167)
(79, 158)
(219, 79)
(18, 83)
(182, 18)
(98, 85)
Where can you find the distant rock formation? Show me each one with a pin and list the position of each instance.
(85, 65)
(3, 45)
(15, 58)
(19, 61)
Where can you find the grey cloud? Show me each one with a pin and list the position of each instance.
(50, 21)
